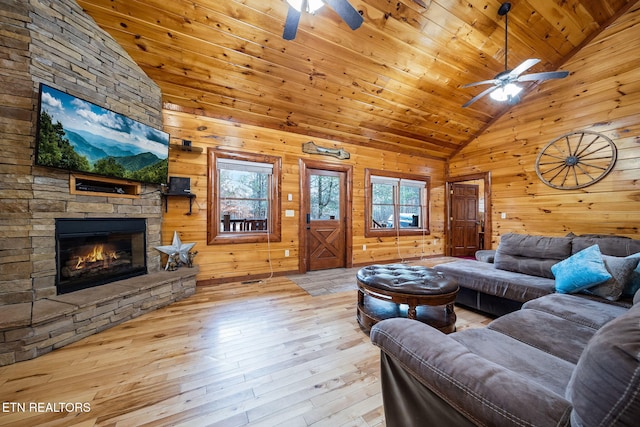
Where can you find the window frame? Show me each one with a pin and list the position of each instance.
(370, 231)
(214, 217)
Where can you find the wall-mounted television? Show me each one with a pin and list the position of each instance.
(79, 136)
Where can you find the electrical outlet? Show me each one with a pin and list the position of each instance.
(503, 215)
(364, 247)
(286, 252)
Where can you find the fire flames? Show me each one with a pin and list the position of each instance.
(97, 254)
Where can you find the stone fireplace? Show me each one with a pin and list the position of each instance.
(45, 301)
(95, 251)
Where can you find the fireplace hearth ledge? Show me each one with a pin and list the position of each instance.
(63, 319)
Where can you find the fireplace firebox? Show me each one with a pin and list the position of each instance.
(96, 251)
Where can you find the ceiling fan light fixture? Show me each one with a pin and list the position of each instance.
(508, 91)
(311, 5)
(504, 87)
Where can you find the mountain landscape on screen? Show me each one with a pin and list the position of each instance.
(77, 135)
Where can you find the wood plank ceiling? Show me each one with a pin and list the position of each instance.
(393, 84)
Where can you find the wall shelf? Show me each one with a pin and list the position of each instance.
(102, 186)
(165, 196)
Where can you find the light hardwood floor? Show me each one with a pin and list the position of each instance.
(260, 354)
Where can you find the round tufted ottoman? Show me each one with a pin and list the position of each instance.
(399, 290)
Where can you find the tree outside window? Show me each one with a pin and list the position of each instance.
(244, 188)
(244, 196)
(324, 194)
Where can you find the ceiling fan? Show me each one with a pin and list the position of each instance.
(504, 84)
(342, 7)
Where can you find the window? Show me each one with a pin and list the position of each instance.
(324, 195)
(244, 189)
(396, 203)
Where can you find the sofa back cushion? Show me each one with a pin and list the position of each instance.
(604, 385)
(609, 245)
(533, 255)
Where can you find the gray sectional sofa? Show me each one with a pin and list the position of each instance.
(521, 269)
(555, 359)
(560, 360)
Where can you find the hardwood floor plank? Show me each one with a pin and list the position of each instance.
(261, 354)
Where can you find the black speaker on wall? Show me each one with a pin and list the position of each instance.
(179, 185)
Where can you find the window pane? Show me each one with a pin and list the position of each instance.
(410, 195)
(382, 193)
(241, 184)
(324, 196)
(244, 197)
(243, 200)
(410, 201)
(397, 203)
(382, 206)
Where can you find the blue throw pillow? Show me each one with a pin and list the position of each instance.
(634, 282)
(580, 271)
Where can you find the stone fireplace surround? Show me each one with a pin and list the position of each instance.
(38, 320)
(55, 42)
(59, 320)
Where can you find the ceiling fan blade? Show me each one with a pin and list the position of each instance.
(291, 24)
(420, 3)
(543, 76)
(483, 93)
(347, 12)
(484, 82)
(523, 67)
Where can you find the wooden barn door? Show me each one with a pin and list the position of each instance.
(325, 232)
(325, 219)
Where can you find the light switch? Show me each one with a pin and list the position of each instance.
(289, 212)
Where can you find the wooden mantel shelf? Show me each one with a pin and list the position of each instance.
(103, 186)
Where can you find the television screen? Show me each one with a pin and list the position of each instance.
(77, 135)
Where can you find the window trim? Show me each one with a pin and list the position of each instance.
(214, 236)
(369, 231)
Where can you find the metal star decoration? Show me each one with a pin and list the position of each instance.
(177, 248)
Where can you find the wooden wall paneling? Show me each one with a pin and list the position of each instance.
(602, 94)
(245, 261)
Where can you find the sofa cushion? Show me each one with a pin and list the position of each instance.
(580, 271)
(604, 387)
(532, 363)
(609, 245)
(582, 310)
(533, 255)
(634, 281)
(620, 270)
(486, 278)
(546, 332)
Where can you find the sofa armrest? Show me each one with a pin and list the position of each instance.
(486, 255)
(484, 392)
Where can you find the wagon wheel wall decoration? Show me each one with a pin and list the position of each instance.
(576, 160)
